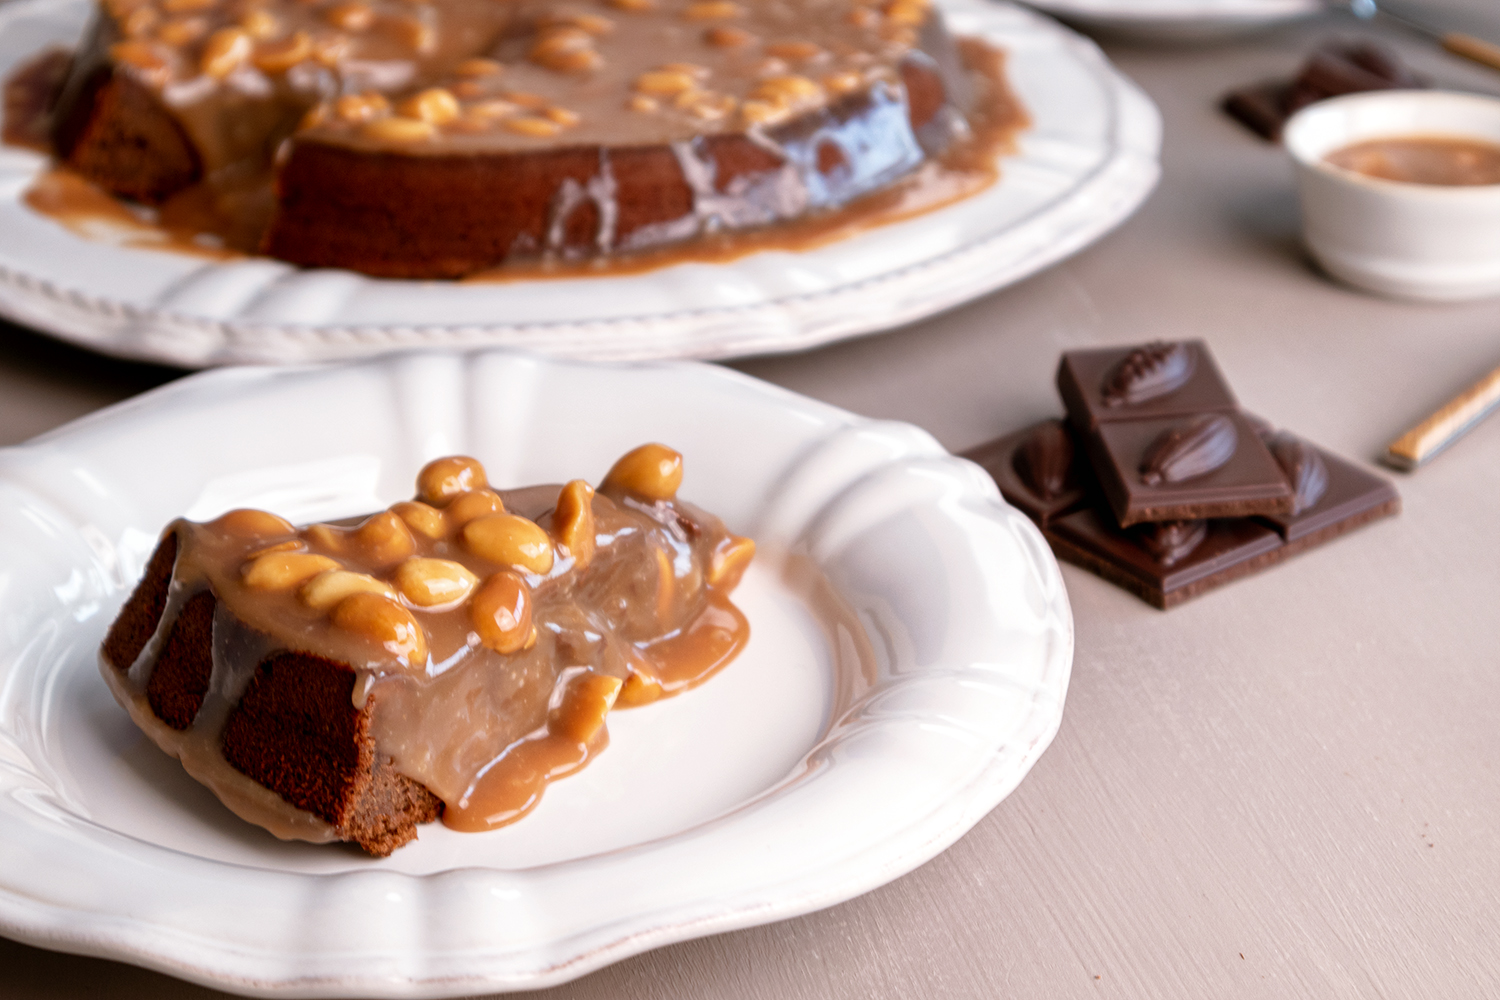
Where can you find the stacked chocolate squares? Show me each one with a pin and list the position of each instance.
(1158, 482)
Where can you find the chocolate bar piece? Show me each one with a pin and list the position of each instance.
(1167, 562)
(1166, 436)
(1332, 496)
(1038, 470)
(1333, 69)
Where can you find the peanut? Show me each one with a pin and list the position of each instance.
(573, 521)
(639, 689)
(429, 583)
(426, 521)
(723, 37)
(652, 471)
(492, 109)
(532, 125)
(187, 6)
(443, 479)
(280, 56)
(845, 82)
(906, 13)
(794, 51)
(713, 10)
(761, 112)
(290, 545)
(225, 51)
(562, 116)
(642, 103)
(284, 570)
(140, 21)
(664, 82)
(585, 702)
(181, 31)
(478, 67)
(260, 24)
(787, 90)
(247, 523)
(361, 107)
(729, 561)
(385, 621)
(332, 586)
(510, 541)
(501, 613)
(352, 16)
(434, 105)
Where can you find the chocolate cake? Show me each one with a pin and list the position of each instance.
(446, 657)
(437, 138)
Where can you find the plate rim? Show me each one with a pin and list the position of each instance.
(37, 922)
(1096, 204)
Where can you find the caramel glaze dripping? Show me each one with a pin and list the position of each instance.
(638, 612)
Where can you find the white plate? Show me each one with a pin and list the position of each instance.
(1089, 160)
(1185, 20)
(866, 727)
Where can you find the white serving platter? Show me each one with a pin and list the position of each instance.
(1087, 162)
(909, 655)
(1179, 20)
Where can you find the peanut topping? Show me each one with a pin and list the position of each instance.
(478, 68)
(424, 520)
(594, 24)
(713, 10)
(509, 541)
(729, 561)
(225, 51)
(561, 116)
(385, 621)
(247, 523)
(284, 570)
(761, 112)
(585, 702)
(532, 125)
(434, 105)
(639, 689)
(290, 545)
(260, 24)
(501, 613)
(794, 51)
(566, 49)
(843, 83)
(182, 31)
(332, 586)
(788, 90)
(381, 539)
(908, 13)
(361, 107)
(573, 521)
(476, 503)
(140, 21)
(188, 6)
(652, 471)
(642, 103)
(707, 106)
(493, 109)
(664, 82)
(280, 56)
(443, 479)
(724, 37)
(350, 16)
(431, 583)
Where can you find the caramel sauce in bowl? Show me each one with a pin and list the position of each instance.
(1400, 191)
(1450, 161)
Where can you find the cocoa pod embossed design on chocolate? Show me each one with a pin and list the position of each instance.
(1304, 468)
(1189, 449)
(1148, 372)
(1045, 460)
(1169, 542)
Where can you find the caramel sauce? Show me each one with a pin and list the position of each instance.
(642, 611)
(1447, 161)
(225, 220)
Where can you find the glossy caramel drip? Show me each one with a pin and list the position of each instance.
(619, 595)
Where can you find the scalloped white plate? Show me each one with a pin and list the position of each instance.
(1085, 165)
(910, 648)
(1185, 20)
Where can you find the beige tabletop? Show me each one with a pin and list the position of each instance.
(1287, 788)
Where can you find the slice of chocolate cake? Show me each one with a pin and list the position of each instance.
(448, 656)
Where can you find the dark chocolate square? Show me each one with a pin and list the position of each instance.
(1353, 497)
(1081, 377)
(998, 458)
(1230, 549)
(1251, 482)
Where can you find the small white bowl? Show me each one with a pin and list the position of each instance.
(1416, 241)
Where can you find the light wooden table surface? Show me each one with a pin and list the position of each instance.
(1288, 788)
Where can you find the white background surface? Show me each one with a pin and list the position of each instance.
(1300, 770)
